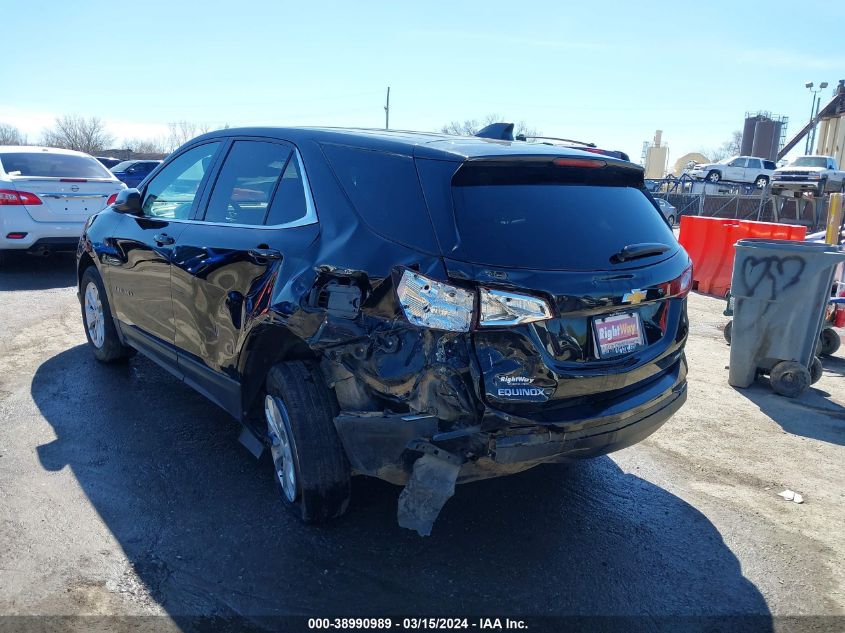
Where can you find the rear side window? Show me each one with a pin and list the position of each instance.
(385, 191)
(52, 165)
(171, 193)
(289, 203)
(553, 225)
(259, 183)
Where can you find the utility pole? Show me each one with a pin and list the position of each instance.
(387, 111)
(814, 112)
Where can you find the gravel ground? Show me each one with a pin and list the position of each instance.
(123, 492)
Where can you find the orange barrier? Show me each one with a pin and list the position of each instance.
(710, 244)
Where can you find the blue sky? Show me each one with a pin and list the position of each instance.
(610, 72)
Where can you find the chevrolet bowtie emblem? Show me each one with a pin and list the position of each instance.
(635, 296)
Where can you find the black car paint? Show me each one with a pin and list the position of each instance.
(220, 305)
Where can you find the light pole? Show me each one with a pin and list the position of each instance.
(814, 111)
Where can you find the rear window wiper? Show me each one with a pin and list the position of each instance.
(636, 251)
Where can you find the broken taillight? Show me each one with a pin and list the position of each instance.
(433, 304)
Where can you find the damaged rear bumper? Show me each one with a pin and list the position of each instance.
(387, 446)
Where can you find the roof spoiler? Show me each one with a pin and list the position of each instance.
(497, 131)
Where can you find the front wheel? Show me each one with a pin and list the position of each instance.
(714, 176)
(99, 325)
(309, 462)
(822, 187)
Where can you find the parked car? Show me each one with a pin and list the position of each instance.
(736, 169)
(108, 162)
(669, 212)
(422, 308)
(47, 194)
(819, 174)
(133, 172)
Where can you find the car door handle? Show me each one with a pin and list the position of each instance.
(264, 253)
(163, 239)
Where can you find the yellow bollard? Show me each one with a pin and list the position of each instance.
(834, 219)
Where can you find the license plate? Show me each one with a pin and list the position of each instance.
(617, 334)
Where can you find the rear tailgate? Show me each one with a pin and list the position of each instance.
(66, 199)
(555, 229)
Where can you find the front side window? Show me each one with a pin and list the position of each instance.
(171, 193)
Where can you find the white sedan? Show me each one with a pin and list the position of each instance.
(46, 196)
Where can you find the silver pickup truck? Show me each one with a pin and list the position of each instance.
(818, 174)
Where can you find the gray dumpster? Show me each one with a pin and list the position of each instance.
(780, 290)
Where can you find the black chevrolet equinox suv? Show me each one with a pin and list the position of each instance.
(422, 308)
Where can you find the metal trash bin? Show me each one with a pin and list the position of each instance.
(780, 290)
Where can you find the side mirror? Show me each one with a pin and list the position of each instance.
(128, 201)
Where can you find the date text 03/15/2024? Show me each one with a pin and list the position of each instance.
(414, 624)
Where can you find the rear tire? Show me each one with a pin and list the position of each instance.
(97, 319)
(761, 182)
(671, 220)
(300, 411)
(829, 342)
(714, 176)
(790, 379)
(728, 331)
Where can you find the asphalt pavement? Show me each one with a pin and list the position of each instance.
(123, 492)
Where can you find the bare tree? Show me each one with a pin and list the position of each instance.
(78, 133)
(731, 147)
(147, 145)
(10, 135)
(183, 131)
(471, 126)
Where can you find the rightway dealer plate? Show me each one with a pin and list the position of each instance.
(620, 333)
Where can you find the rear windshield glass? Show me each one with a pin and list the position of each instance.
(52, 165)
(553, 225)
(123, 166)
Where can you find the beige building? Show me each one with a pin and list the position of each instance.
(831, 131)
(656, 157)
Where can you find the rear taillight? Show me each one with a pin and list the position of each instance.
(680, 286)
(73, 180)
(10, 197)
(111, 199)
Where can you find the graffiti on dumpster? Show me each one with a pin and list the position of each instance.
(771, 274)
